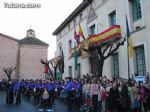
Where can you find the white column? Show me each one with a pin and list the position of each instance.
(142, 11)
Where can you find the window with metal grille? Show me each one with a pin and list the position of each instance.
(140, 60)
(115, 65)
(79, 69)
(69, 48)
(136, 9)
(70, 71)
(92, 30)
(112, 18)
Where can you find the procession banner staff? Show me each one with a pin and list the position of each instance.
(17, 93)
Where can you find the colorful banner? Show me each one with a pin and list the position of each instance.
(106, 35)
(111, 33)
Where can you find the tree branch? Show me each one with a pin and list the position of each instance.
(43, 62)
(8, 71)
(106, 48)
(51, 63)
(115, 49)
(110, 48)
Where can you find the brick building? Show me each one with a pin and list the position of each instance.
(24, 54)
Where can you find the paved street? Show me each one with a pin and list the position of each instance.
(26, 106)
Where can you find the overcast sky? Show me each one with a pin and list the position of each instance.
(16, 21)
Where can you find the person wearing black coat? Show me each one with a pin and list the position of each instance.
(113, 98)
(9, 93)
(124, 98)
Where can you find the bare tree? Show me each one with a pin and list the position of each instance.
(46, 63)
(52, 66)
(8, 71)
(54, 63)
(101, 51)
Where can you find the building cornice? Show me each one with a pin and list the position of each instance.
(9, 37)
(32, 46)
(74, 14)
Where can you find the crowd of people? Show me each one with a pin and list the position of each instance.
(117, 95)
(99, 93)
(42, 92)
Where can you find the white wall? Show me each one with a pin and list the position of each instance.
(102, 22)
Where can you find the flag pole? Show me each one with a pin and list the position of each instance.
(127, 36)
(128, 57)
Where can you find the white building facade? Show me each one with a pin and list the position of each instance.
(96, 16)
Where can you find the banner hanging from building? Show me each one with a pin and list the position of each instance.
(113, 32)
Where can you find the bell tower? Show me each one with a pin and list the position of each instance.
(30, 33)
